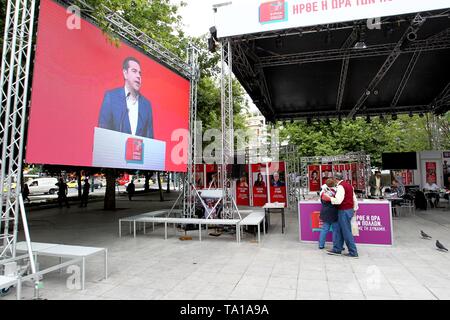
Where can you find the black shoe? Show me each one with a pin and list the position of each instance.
(333, 253)
(351, 256)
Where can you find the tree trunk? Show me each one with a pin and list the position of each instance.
(161, 195)
(147, 181)
(79, 184)
(168, 183)
(110, 193)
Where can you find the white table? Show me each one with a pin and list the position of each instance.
(199, 222)
(66, 251)
(255, 219)
(277, 206)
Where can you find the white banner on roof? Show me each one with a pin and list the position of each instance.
(239, 17)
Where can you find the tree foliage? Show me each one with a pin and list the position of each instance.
(328, 138)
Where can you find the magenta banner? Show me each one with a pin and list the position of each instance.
(374, 221)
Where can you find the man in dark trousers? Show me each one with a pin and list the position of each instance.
(347, 203)
(85, 195)
(62, 193)
(131, 188)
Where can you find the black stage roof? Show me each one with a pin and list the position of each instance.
(317, 72)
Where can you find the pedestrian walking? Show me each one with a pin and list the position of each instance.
(131, 188)
(85, 194)
(62, 193)
(26, 193)
(347, 204)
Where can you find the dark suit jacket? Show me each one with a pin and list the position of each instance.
(114, 114)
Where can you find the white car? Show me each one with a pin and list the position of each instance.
(43, 185)
(138, 183)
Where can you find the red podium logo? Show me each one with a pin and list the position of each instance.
(134, 149)
(273, 11)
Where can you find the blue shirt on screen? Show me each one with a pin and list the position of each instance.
(114, 114)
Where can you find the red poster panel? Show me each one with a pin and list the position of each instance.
(278, 182)
(430, 168)
(243, 190)
(259, 182)
(326, 172)
(354, 169)
(407, 177)
(314, 178)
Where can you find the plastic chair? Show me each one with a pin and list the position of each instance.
(409, 205)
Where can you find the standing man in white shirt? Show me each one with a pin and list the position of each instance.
(125, 109)
(347, 204)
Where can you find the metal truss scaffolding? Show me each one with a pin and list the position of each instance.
(189, 181)
(17, 45)
(227, 151)
(363, 172)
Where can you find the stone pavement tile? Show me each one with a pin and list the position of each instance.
(218, 289)
(163, 284)
(283, 282)
(312, 275)
(131, 293)
(178, 295)
(246, 292)
(259, 270)
(227, 278)
(279, 294)
(414, 292)
(96, 289)
(313, 285)
(78, 296)
(312, 295)
(384, 289)
(369, 297)
(190, 286)
(216, 297)
(347, 296)
(341, 276)
(254, 281)
(441, 293)
(352, 286)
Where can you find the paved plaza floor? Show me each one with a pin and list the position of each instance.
(218, 268)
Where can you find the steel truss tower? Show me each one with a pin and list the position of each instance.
(14, 80)
(227, 151)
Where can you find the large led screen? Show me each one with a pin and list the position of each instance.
(97, 104)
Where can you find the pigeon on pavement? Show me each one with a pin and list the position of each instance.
(440, 246)
(424, 235)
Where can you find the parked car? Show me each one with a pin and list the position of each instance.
(72, 184)
(122, 181)
(138, 183)
(98, 184)
(43, 185)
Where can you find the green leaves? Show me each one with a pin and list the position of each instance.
(405, 134)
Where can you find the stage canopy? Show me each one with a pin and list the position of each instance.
(390, 65)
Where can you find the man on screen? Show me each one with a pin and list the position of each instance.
(125, 109)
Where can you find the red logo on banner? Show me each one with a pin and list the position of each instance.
(273, 11)
(134, 149)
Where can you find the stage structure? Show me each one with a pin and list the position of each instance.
(14, 85)
(360, 158)
(320, 65)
